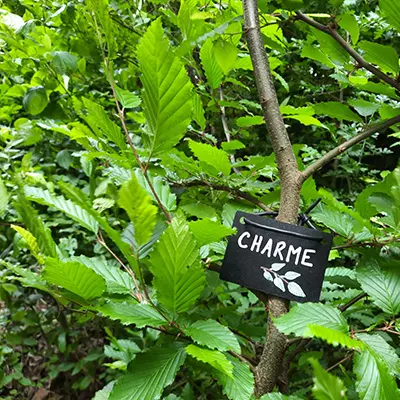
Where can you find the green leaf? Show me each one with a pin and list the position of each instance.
(198, 111)
(139, 314)
(391, 11)
(35, 100)
(373, 379)
(75, 277)
(64, 62)
(241, 385)
(167, 98)
(138, 205)
(333, 337)
(331, 47)
(31, 241)
(212, 156)
(178, 276)
(335, 220)
(245, 122)
(382, 284)
(117, 281)
(363, 107)
(385, 57)
(151, 372)
(162, 189)
(212, 334)
(233, 145)
(207, 231)
(326, 386)
(4, 197)
(337, 110)
(215, 358)
(127, 98)
(78, 214)
(302, 315)
(382, 349)
(225, 54)
(349, 23)
(212, 70)
(305, 119)
(106, 130)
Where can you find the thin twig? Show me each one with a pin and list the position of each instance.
(328, 157)
(243, 359)
(340, 362)
(132, 146)
(330, 29)
(236, 192)
(138, 295)
(354, 300)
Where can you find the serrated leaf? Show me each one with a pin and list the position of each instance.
(198, 111)
(363, 107)
(391, 10)
(337, 110)
(31, 241)
(178, 276)
(207, 231)
(64, 62)
(215, 358)
(385, 57)
(245, 122)
(233, 145)
(333, 337)
(167, 98)
(241, 385)
(36, 226)
(297, 319)
(212, 156)
(75, 277)
(225, 54)
(139, 314)
(381, 284)
(105, 130)
(349, 23)
(373, 379)
(331, 47)
(326, 386)
(212, 334)
(210, 65)
(152, 372)
(296, 289)
(35, 100)
(138, 205)
(163, 191)
(117, 281)
(278, 396)
(127, 98)
(4, 197)
(339, 222)
(77, 213)
(383, 350)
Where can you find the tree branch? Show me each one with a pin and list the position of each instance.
(311, 169)
(236, 192)
(331, 30)
(270, 365)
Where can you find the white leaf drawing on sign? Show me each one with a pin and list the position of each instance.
(295, 289)
(277, 266)
(267, 275)
(278, 282)
(291, 275)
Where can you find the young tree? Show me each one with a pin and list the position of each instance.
(137, 130)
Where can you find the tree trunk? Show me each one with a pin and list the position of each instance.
(269, 367)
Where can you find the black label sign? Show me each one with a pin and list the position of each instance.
(276, 258)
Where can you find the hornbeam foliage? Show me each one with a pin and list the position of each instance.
(130, 135)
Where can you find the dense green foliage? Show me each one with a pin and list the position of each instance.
(130, 134)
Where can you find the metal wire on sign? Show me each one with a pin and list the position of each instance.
(302, 219)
